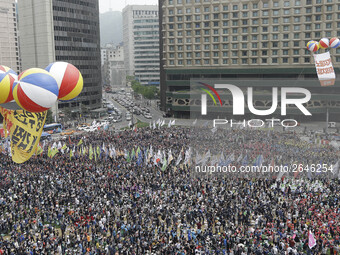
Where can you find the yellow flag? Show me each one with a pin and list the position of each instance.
(25, 130)
(80, 142)
(71, 153)
(54, 152)
(91, 152)
(49, 152)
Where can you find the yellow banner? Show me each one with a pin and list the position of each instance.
(25, 130)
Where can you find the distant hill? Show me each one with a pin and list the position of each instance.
(111, 27)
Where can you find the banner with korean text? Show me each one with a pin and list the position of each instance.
(324, 69)
(25, 130)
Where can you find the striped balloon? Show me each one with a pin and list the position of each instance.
(313, 46)
(7, 78)
(69, 79)
(334, 42)
(324, 43)
(36, 91)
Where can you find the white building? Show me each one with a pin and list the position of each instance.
(141, 42)
(113, 69)
(9, 46)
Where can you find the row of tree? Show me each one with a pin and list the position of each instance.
(148, 92)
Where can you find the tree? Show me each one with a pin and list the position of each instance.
(49, 118)
(149, 92)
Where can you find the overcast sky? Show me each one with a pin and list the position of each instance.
(118, 5)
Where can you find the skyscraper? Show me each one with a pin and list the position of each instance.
(63, 30)
(248, 39)
(9, 45)
(141, 43)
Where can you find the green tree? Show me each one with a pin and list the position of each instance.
(49, 118)
(149, 92)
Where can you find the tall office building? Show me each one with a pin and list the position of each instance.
(63, 30)
(9, 45)
(243, 39)
(141, 43)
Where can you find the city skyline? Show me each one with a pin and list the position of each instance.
(106, 5)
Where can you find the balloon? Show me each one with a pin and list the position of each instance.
(7, 78)
(334, 42)
(324, 43)
(313, 46)
(36, 91)
(69, 79)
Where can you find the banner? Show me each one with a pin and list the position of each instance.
(25, 130)
(324, 69)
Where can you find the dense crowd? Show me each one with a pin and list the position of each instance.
(117, 205)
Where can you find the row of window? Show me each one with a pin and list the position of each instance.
(243, 53)
(244, 45)
(245, 61)
(245, 22)
(75, 30)
(75, 21)
(71, 10)
(72, 48)
(245, 6)
(80, 58)
(145, 26)
(273, 12)
(143, 12)
(137, 21)
(245, 30)
(91, 4)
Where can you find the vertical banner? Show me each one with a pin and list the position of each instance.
(324, 69)
(25, 130)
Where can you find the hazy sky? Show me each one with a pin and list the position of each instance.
(118, 5)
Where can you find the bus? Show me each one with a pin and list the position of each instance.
(45, 136)
(53, 128)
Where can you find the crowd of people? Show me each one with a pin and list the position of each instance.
(118, 204)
